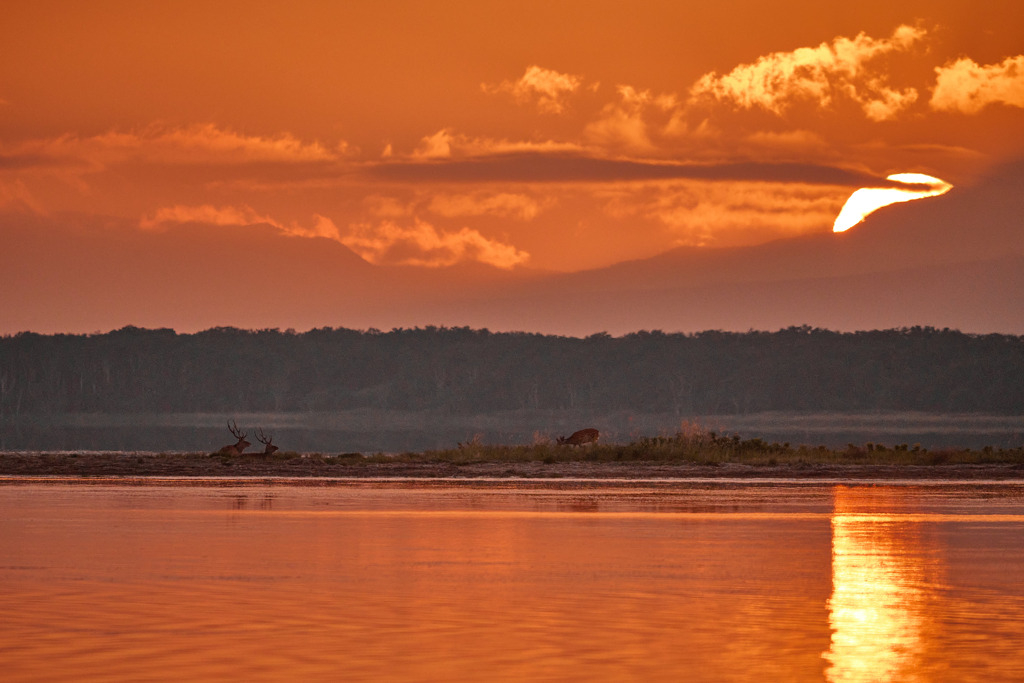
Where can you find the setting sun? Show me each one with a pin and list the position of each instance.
(869, 199)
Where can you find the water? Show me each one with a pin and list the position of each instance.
(511, 580)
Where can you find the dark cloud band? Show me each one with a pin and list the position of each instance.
(538, 168)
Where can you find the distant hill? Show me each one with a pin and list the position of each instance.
(951, 261)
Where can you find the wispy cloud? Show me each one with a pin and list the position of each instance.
(967, 87)
(514, 205)
(551, 168)
(623, 125)
(421, 244)
(445, 144)
(207, 141)
(436, 146)
(196, 144)
(504, 204)
(235, 216)
(386, 206)
(700, 213)
(16, 195)
(797, 142)
(846, 68)
(206, 213)
(547, 88)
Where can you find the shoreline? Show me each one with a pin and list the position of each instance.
(71, 466)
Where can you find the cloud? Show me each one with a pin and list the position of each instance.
(548, 168)
(384, 206)
(481, 203)
(421, 244)
(622, 125)
(208, 142)
(728, 214)
(444, 144)
(967, 87)
(212, 215)
(478, 147)
(504, 204)
(548, 89)
(799, 142)
(436, 146)
(234, 215)
(846, 68)
(16, 195)
(196, 144)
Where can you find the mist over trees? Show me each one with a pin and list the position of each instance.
(461, 370)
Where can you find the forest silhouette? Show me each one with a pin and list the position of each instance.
(469, 371)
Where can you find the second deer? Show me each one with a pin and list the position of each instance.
(267, 441)
(583, 436)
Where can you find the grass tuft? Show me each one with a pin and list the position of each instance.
(702, 447)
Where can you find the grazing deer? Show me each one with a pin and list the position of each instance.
(235, 448)
(579, 438)
(267, 441)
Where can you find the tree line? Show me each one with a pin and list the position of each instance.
(463, 370)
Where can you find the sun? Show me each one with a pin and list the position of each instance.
(869, 199)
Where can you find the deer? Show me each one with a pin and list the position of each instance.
(235, 448)
(267, 441)
(583, 436)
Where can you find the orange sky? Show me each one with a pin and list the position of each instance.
(550, 135)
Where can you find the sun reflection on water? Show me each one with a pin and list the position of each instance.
(883, 580)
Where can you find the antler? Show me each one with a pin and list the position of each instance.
(234, 430)
(266, 440)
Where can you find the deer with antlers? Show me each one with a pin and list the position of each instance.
(583, 436)
(235, 448)
(267, 441)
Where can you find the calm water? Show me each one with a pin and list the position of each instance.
(502, 581)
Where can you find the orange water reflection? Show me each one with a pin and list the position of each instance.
(404, 583)
(401, 584)
(884, 579)
(926, 584)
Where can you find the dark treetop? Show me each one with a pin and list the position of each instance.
(471, 371)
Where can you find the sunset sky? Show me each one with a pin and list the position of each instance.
(545, 135)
